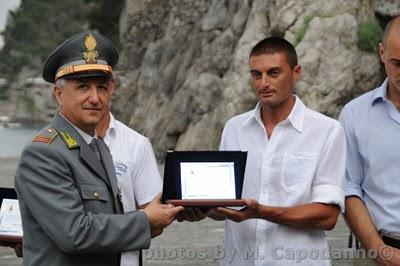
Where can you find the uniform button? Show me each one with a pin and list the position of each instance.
(96, 195)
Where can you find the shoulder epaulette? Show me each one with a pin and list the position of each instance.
(46, 136)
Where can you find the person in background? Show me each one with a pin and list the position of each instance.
(372, 127)
(136, 169)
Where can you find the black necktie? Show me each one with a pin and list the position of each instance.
(95, 147)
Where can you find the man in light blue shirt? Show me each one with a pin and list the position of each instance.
(372, 127)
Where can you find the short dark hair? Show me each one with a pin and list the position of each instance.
(272, 45)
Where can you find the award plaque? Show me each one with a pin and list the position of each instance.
(204, 178)
(10, 218)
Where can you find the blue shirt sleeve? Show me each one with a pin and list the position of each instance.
(354, 170)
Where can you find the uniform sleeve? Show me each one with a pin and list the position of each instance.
(147, 181)
(354, 173)
(47, 189)
(328, 182)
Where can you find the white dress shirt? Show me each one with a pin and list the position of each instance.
(136, 171)
(302, 162)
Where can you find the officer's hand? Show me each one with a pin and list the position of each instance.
(160, 215)
(192, 215)
(250, 211)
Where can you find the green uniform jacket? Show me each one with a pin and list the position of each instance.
(68, 203)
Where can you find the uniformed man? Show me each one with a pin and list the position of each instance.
(66, 184)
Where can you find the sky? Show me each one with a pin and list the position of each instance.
(5, 6)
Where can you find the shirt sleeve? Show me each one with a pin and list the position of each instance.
(222, 144)
(328, 182)
(228, 138)
(354, 172)
(147, 182)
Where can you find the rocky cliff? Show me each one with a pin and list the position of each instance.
(184, 69)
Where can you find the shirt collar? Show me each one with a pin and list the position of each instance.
(111, 125)
(296, 116)
(83, 134)
(255, 115)
(380, 93)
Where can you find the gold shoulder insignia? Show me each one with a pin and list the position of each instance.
(70, 141)
(91, 54)
(46, 136)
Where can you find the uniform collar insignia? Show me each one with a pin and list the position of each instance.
(91, 54)
(70, 141)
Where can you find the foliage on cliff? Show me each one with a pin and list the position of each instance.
(36, 27)
(103, 15)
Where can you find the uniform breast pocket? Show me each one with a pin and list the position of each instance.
(298, 169)
(95, 197)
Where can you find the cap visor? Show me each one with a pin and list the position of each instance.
(87, 74)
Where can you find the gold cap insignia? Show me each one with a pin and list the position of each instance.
(91, 54)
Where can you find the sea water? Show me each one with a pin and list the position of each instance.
(14, 138)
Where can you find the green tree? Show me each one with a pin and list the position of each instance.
(103, 15)
(38, 26)
(34, 29)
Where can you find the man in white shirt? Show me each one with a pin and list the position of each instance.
(135, 167)
(294, 171)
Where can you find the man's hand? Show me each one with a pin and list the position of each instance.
(192, 215)
(160, 215)
(250, 211)
(388, 256)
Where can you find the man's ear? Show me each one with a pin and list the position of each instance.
(113, 83)
(57, 91)
(297, 72)
(382, 52)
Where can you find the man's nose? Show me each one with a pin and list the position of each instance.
(94, 94)
(264, 81)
